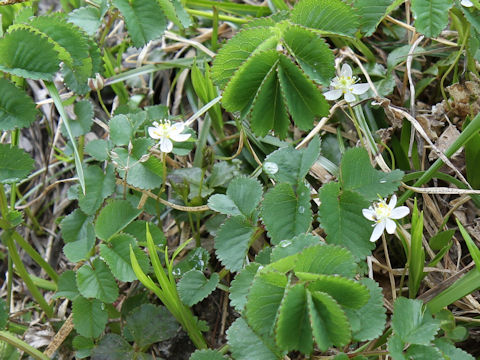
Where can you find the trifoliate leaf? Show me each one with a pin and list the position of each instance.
(17, 109)
(15, 164)
(193, 287)
(357, 174)
(413, 322)
(98, 186)
(341, 216)
(97, 282)
(285, 212)
(89, 317)
(240, 286)
(232, 242)
(114, 217)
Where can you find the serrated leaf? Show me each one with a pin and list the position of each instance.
(263, 301)
(293, 318)
(84, 119)
(431, 16)
(144, 19)
(89, 317)
(98, 186)
(395, 347)
(370, 12)
(293, 165)
(423, 352)
(304, 100)
(193, 287)
(112, 347)
(29, 55)
(17, 109)
(97, 282)
(326, 259)
(87, 18)
(357, 174)
(312, 53)
(78, 234)
(368, 322)
(286, 213)
(15, 164)
(231, 242)
(240, 286)
(296, 245)
(413, 322)
(114, 217)
(138, 230)
(348, 293)
(83, 346)
(207, 354)
(341, 216)
(449, 350)
(242, 198)
(117, 256)
(175, 12)
(67, 286)
(329, 323)
(148, 324)
(99, 149)
(331, 16)
(121, 129)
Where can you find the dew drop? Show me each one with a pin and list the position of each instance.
(270, 168)
(383, 181)
(284, 243)
(301, 209)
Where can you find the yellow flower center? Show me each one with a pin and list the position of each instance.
(382, 211)
(162, 129)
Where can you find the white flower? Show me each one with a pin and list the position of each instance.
(166, 132)
(345, 84)
(466, 3)
(383, 214)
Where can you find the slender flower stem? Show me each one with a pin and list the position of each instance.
(390, 274)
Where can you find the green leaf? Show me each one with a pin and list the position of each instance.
(3, 314)
(99, 149)
(368, 322)
(97, 282)
(329, 323)
(121, 129)
(326, 259)
(413, 322)
(138, 230)
(286, 213)
(330, 16)
(116, 254)
(15, 164)
(98, 186)
(83, 346)
(207, 354)
(242, 198)
(304, 100)
(114, 217)
(416, 254)
(431, 16)
(87, 18)
(472, 248)
(232, 242)
(82, 124)
(441, 239)
(370, 13)
(395, 347)
(78, 234)
(144, 19)
(67, 286)
(17, 109)
(312, 53)
(291, 247)
(293, 318)
(193, 287)
(263, 300)
(240, 286)
(293, 165)
(89, 317)
(28, 54)
(341, 216)
(176, 13)
(346, 292)
(357, 174)
(148, 324)
(423, 352)
(449, 351)
(113, 347)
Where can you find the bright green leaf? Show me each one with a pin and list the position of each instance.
(193, 287)
(431, 16)
(17, 109)
(295, 245)
(89, 317)
(97, 282)
(472, 248)
(114, 217)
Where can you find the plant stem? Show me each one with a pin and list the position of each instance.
(22, 345)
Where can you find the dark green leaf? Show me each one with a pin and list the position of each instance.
(99, 149)
(121, 129)
(17, 109)
(15, 164)
(67, 286)
(449, 350)
(370, 12)
(290, 247)
(89, 317)
(83, 346)
(431, 16)
(78, 234)
(97, 282)
(3, 314)
(114, 217)
(423, 352)
(84, 119)
(240, 286)
(112, 347)
(98, 186)
(207, 354)
(87, 18)
(193, 287)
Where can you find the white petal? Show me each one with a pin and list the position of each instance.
(166, 145)
(332, 94)
(179, 137)
(393, 201)
(178, 127)
(359, 89)
(390, 225)
(349, 97)
(346, 71)
(467, 3)
(377, 231)
(369, 214)
(399, 212)
(151, 132)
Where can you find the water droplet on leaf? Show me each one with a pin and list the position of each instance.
(301, 209)
(284, 243)
(270, 168)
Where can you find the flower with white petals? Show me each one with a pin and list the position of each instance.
(466, 3)
(166, 132)
(345, 84)
(383, 214)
